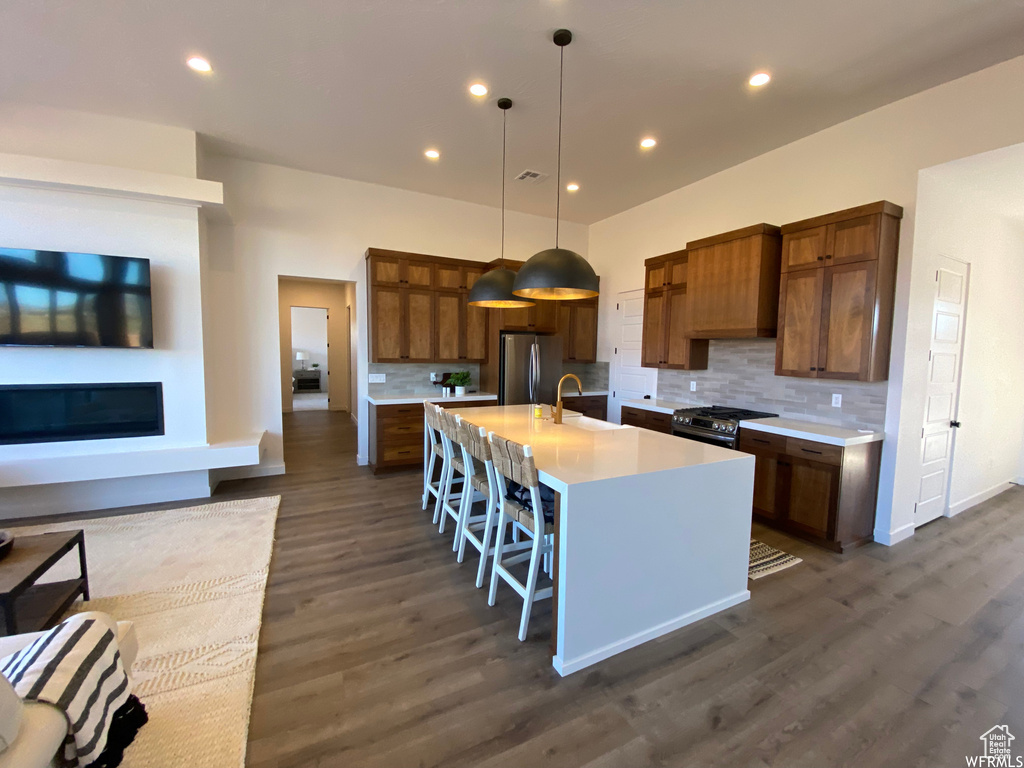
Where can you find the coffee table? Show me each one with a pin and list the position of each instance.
(31, 607)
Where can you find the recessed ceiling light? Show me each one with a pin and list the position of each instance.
(478, 89)
(648, 143)
(572, 187)
(199, 64)
(433, 154)
(759, 79)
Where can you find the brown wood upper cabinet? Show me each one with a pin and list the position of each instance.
(577, 324)
(542, 317)
(666, 296)
(836, 294)
(402, 325)
(455, 277)
(733, 284)
(461, 329)
(400, 270)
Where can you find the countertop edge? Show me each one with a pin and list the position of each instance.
(810, 433)
(412, 399)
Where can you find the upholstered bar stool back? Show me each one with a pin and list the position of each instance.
(477, 530)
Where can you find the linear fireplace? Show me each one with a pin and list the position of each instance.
(48, 413)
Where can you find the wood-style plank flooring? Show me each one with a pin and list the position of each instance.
(376, 650)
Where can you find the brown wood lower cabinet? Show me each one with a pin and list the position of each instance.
(594, 406)
(819, 492)
(396, 434)
(652, 420)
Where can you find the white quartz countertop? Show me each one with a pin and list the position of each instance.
(434, 396)
(583, 450)
(807, 430)
(659, 406)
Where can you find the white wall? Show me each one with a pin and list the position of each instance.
(955, 220)
(288, 222)
(168, 235)
(874, 156)
(309, 335)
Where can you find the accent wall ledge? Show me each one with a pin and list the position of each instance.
(245, 452)
(71, 176)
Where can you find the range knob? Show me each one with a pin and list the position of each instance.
(731, 428)
(715, 426)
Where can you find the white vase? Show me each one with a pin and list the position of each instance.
(460, 391)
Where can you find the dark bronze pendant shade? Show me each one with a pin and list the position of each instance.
(557, 273)
(494, 289)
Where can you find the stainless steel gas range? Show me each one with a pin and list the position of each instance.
(715, 424)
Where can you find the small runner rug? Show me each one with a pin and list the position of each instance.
(765, 560)
(192, 580)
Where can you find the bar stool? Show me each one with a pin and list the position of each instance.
(478, 530)
(513, 461)
(447, 481)
(454, 462)
(433, 452)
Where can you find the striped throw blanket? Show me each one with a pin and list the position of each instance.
(77, 668)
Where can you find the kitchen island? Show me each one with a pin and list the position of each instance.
(652, 532)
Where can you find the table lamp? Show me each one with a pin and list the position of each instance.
(302, 357)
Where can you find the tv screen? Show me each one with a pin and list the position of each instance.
(65, 299)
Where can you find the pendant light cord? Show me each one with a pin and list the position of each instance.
(504, 143)
(558, 175)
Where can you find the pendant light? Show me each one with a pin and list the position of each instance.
(494, 289)
(557, 273)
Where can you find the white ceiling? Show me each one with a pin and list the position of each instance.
(359, 88)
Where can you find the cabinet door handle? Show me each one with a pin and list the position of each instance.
(808, 450)
(759, 440)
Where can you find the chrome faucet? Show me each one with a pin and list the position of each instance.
(561, 381)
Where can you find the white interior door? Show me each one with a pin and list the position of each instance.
(945, 358)
(629, 381)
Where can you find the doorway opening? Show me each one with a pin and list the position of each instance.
(317, 360)
(310, 372)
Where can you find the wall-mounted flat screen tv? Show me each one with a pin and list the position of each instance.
(65, 299)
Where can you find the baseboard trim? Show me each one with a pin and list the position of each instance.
(978, 498)
(218, 476)
(564, 668)
(888, 538)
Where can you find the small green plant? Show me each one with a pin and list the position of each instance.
(459, 379)
(316, 365)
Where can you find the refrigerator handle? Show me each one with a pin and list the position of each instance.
(533, 375)
(536, 372)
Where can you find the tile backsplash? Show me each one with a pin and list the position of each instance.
(741, 372)
(593, 375)
(414, 378)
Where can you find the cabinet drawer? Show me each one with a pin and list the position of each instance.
(633, 416)
(395, 431)
(399, 454)
(761, 441)
(807, 449)
(405, 412)
(659, 422)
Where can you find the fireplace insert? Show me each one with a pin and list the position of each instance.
(49, 413)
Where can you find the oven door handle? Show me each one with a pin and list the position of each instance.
(683, 432)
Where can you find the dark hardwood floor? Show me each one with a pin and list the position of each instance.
(376, 650)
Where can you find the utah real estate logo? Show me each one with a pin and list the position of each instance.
(998, 750)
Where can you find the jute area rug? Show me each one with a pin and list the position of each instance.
(765, 560)
(192, 580)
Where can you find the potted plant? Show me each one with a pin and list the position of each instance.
(460, 380)
(316, 365)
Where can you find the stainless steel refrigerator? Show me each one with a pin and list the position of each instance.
(531, 366)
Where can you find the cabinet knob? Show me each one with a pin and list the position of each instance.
(820, 258)
(828, 256)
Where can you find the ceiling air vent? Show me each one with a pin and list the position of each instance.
(533, 177)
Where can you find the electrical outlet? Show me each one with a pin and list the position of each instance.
(693, 386)
(378, 378)
(837, 401)
(435, 377)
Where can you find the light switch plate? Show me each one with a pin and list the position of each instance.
(435, 377)
(378, 378)
(837, 401)
(693, 386)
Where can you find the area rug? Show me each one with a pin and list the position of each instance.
(192, 580)
(765, 560)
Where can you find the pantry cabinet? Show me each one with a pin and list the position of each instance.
(836, 294)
